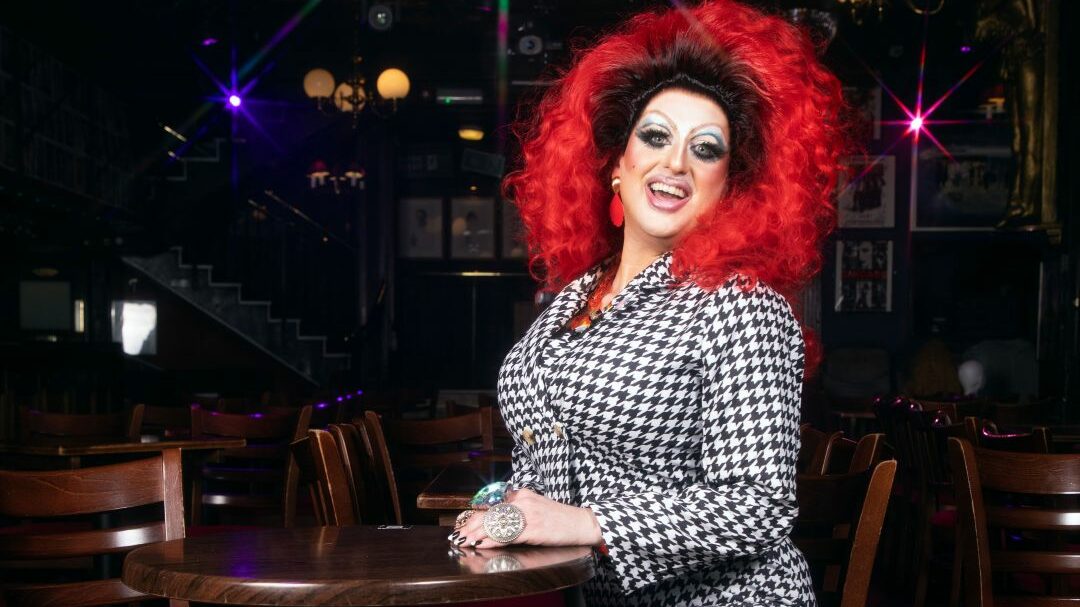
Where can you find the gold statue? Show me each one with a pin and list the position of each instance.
(1020, 27)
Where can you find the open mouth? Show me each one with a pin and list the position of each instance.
(668, 195)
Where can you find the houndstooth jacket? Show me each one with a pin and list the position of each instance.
(675, 419)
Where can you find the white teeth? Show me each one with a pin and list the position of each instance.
(660, 186)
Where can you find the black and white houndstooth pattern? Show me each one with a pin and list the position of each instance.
(675, 419)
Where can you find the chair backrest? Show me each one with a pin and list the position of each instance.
(121, 425)
(380, 454)
(370, 498)
(268, 436)
(813, 444)
(929, 431)
(843, 455)
(333, 481)
(437, 443)
(985, 433)
(86, 491)
(161, 420)
(278, 427)
(830, 507)
(957, 410)
(1033, 413)
(1000, 537)
(307, 478)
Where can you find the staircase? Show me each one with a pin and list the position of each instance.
(279, 338)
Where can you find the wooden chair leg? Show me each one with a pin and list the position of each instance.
(196, 501)
(957, 567)
(924, 553)
(292, 480)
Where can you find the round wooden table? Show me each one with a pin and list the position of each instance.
(362, 565)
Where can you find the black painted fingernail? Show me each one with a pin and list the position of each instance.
(476, 543)
(453, 536)
(460, 541)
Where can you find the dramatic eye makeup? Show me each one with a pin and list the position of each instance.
(653, 134)
(708, 145)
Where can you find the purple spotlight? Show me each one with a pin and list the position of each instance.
(340, 399)
(209, 41)
(965, 49)
(234, 100)
(359, 392)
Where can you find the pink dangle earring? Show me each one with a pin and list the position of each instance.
(615, 210)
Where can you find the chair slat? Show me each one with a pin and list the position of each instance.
(1034, 561)
(1025, 518)
(80, 543)
(83, 491)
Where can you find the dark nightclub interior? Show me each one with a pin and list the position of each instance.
(295, 209)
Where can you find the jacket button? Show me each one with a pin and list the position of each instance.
(527, 434)
(558, 428)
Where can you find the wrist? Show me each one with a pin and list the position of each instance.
(593, 534)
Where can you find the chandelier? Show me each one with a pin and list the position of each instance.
(351, 95)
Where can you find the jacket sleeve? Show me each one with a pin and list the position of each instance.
(743, 501)
(524, 474)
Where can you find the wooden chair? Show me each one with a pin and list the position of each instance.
(1039, 412)
(370, 497)
(1018, 513)
(929, 431)
(380, 456)
(433, 444)
(120, 425)
(423, 448)
(161, 420)
(985, 433)
(957, 410)
(259, 477)
(830, 507)
(843, 455)
(92, 490)
(812, 446)
(335, 493)
(307, 479)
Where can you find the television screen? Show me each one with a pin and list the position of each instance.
(134, 325)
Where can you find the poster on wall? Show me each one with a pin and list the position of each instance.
(864, 276)
(472, 228)
(420, 228)
(868, 193)
(866, 103)
(513, 232)
(969, 188)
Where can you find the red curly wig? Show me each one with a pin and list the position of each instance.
(784, 107)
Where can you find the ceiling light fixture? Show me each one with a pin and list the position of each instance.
(351, 95)
(471, 133)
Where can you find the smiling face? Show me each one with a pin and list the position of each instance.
(674, 168)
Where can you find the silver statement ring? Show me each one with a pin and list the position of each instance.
(504, 522)
(463, 518)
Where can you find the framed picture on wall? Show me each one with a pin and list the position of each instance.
(865, 101)
(867, 196)
(420, 228)
(967, 191)
(513, 232)
(472, 228)
(864, 276)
